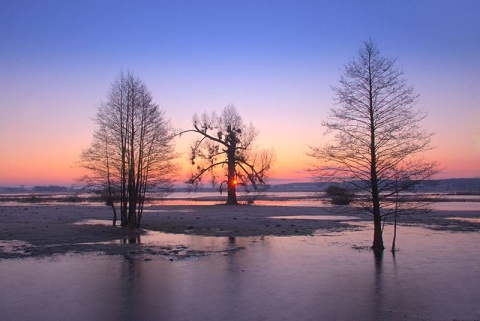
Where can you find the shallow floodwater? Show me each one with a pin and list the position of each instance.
(329, 276)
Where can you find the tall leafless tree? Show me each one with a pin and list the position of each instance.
(226, 143)
(378, 142)
(131, 152)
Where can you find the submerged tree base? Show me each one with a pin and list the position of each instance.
(378, 248)
(378, 244)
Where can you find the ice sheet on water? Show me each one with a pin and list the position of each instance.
(14, 246)
(433, 276)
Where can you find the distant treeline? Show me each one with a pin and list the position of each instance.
(50, 188)
(40, 188)
(13, 189)
(453, 185)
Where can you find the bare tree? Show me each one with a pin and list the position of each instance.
(378, 142)
(226, 143)
(131, 152)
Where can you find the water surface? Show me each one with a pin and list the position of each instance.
(329, 276)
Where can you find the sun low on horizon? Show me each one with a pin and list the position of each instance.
(275, 61)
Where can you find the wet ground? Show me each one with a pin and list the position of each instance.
(327, 276)
(247, 263)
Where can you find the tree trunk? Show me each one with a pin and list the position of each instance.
(377, 218)
(377, 233)
(114, 214)
(231, 183)
(395, 225)
(232, 194)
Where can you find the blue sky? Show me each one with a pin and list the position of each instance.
(275, 60)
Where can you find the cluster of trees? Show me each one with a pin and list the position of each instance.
(376, 149)
(132, 151)
(339, 195)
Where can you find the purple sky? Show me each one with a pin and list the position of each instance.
(275, 60)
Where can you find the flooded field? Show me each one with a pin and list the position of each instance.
(327, 276)
(302, 199)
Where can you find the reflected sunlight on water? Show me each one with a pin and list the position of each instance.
(317, 217)
(456, 206)
(465, 219)
(94, 222)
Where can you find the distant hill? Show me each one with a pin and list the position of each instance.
(50, 188)
(298, 187)
(5, 189)
(453, 185)
(34, 189)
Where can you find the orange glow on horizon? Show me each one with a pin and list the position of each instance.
(56, 173)
(58, 166)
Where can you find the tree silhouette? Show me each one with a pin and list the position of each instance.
(226, 143)
(378, 143)
(131, 152)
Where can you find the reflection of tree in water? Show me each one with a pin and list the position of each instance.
(378, 256)
(130, 277)
(131, 239)
(378, 293)
(382, 291)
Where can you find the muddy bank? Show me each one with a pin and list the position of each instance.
(40, 230)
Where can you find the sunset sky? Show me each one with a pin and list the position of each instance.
(275, 60)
